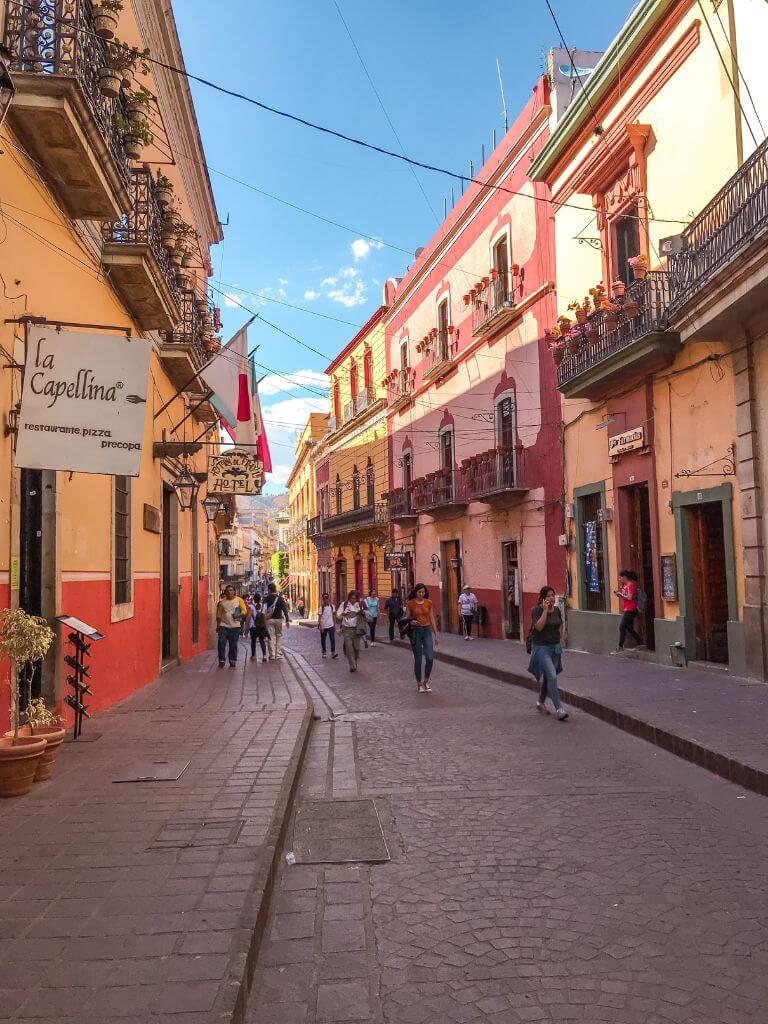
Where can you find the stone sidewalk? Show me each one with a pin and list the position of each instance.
(705, 716)
(144, 901)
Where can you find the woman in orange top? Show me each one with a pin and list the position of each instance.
(423, 634)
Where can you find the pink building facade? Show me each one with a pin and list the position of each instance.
(474, 420)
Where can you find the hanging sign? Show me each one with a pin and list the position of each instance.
(84, 402)
(395, 561)
(627, 441)
(237, 472)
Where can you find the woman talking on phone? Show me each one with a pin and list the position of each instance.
(546, 651)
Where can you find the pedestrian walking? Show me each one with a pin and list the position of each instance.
(258, 628)
(423, 635)
(276, 612)
(544, 644)
(393, 606)
(230, 612)
(467, 609)
(628, 594)
(301, 607)
(326, 623)
(372, 606)
(352, 614)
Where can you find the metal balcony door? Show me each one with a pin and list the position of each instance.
(505, 441)
(501, 263)
(511, 596)
(446, 462)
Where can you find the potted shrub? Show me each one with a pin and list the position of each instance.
(557, 348)
(126, 60)
(105, 17)
(572, 342)
(610, 317)
(137, 105)
(639, 265)
(109, 81)
(24, 640)
(598, 295)
(618, 288)
(41, 721)
(163, 190)
(136, 136)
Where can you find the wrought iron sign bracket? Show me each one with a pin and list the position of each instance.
(32, 321)
(728, 463)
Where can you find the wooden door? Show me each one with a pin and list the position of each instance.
(511, 596)
(641, 554)
(451, 571)
(341, 581)
(709, 586)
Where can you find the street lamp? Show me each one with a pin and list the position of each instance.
(211, 507)
(7, 88)
(186, 488)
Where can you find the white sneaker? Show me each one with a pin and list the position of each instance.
(467, 637)
(562, 714)
(542, 708)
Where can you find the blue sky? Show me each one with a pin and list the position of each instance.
(433, 63)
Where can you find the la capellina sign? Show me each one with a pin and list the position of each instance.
(83, 403)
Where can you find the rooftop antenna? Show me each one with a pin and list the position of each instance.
(503, 100)
(482, 150)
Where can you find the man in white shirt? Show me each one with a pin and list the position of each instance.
(467, 609)
(326, 623)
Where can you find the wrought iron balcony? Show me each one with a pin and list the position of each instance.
(184, 350)
(494, 306)
(438, 492)
(401, 391)
(439, 359)
(356, 518)
(725, 234)
(495, 477)
(333, 425)
(314, 526)
(139, 265)
(59, 113)
(350, 410)
(364, 400)
(602, 352)
(398, 504)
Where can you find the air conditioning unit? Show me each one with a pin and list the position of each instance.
(672, 245)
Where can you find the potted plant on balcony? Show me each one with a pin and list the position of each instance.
(610, 316)
(24, 640)
(618, 288)
(639, 265)
(573, 340)
(163, 190)
(579, 312)
(127, 60)
(598, 296)
(105, 17)
(630, 307)
(136, 136)
(110, 81)
(557, 348)
(137, 105)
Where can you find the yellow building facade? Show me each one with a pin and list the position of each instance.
(350, 528)
(97, 239)
(659, 409)
(302, 554)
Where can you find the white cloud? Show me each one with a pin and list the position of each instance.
(347, 273)
(273, 384)
(277, 478)
(282, 280)
(284, 421)
(232, 299)
(350, 294)
(328, 282)
(310, 295)
(361, 247)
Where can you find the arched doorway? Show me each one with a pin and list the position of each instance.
(359, 573)
(341, 580)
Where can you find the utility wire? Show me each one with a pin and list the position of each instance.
(738, 69)
(727, 73)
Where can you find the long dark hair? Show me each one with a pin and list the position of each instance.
(543, 593)
(349, 595)
(629, 575)
(416, 589)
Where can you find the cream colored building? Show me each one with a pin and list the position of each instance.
(302, 555)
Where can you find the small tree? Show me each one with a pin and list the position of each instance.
(280, 565)
(24, 640)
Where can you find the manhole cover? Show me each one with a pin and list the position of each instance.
(339, 832)
(179, 835)
(154, 771)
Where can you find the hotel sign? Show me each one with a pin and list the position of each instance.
(84, 402)
(626, 442)
(236, 472)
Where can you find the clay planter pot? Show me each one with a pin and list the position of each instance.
(163, 195)
(54, 737)
(572, 346)
(19, 761)
(558, 355)
(630, 309)
(593, 335)
(109, 82)
(104, 22)
(135, 111)
(581, 316)
(618, 288)
(640, 273)
(611, 322)
(134, 147)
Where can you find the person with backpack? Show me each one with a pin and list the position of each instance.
(257, 626)
(545, 647)
(353, 616)
(276, 612)
(372, 605)
(326, 623)
(393, 606)
(630, 598)
(230, 613)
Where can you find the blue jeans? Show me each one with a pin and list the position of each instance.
(329, 633)
(548, 668)
(228, 638)
(423, 643)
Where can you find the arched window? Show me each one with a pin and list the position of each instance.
(370, 483)
(355, 488)
(338, 495)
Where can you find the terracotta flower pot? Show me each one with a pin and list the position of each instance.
(104, 22)
(54, 737)
(19, 761)
(109, 82)
(630, 309)
(163, 195)
(558, 355)
(134, 147)
(640, 273)
(611, 322)
(593, 335)
(581, 316)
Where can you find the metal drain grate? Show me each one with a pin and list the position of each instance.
(154, 770)
(339, 832)
(180, 835)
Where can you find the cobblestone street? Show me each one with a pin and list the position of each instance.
(540, 871)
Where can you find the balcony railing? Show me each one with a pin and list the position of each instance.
(55, 63)
(497, 473)
(398, 504)
(150, 288)
(439, 356)
(437, 490)
(494, 305)
(314, 526)
(350, 410)
(185, 347)
(364, 400)
(600, 352)
(366, 515)
(724, 229)
(400, 391)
